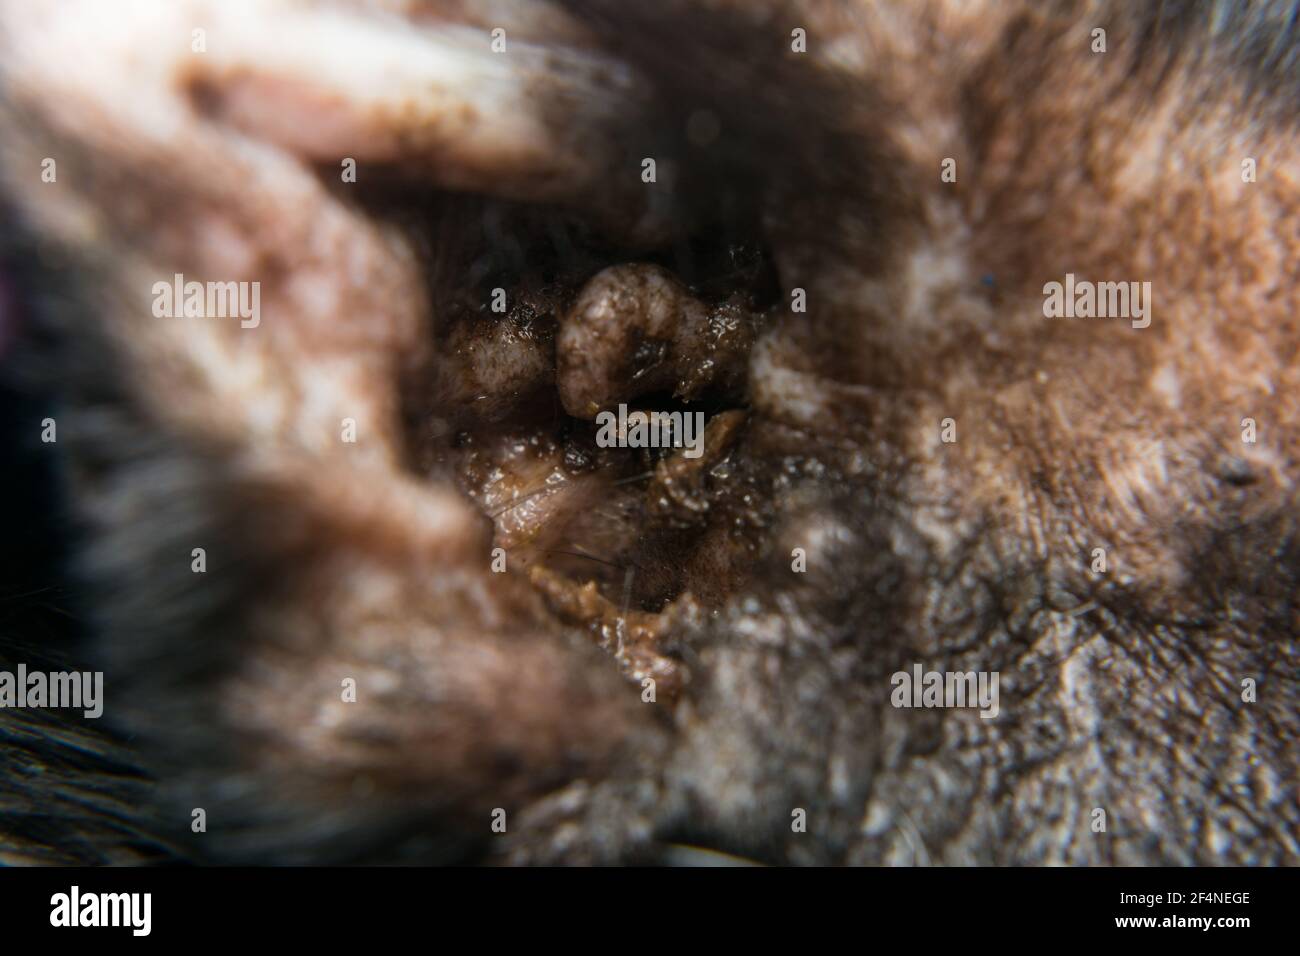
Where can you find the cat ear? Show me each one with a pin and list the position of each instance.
(291, 281)
(466, 106)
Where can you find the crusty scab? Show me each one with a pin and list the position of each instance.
(635, 330)
(625, 521)
(627, 648)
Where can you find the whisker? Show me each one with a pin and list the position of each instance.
(632, 478)
(628, 575)
(579, 554)
(519, 501)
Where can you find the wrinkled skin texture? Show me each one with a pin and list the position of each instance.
(523, 689)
